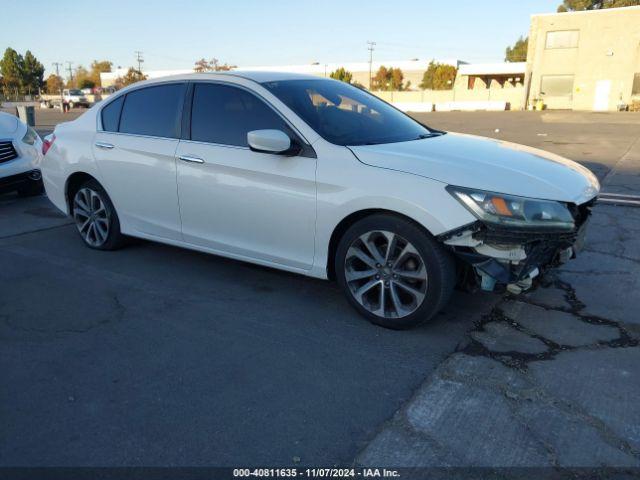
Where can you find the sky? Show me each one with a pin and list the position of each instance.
(174, 34)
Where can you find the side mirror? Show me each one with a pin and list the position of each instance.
(271, 141)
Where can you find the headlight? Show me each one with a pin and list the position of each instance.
(509, 210)
(30, 137)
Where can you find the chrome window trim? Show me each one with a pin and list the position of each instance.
(100, 129)
(139, 135)
(209, 144)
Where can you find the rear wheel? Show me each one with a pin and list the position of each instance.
(96, 218)
(393, 272)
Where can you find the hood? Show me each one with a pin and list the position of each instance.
(8, 124)
(486, 164)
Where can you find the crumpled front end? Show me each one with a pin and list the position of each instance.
(507, 257)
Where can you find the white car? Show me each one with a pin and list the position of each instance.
(20, 153)
(75, 97)
(317, 177)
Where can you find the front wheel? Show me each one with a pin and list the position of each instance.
(393, 272)
(96, 218)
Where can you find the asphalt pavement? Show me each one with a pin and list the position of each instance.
(158, 356)
(154, 355)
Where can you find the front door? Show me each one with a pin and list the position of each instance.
(135, 153)
(236, 201)
(601, 97)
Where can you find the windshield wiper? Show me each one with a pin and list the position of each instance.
(428, 135)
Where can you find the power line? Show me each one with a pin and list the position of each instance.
(370, 47)
(139, 59)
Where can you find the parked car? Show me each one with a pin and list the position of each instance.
(71, 97)
(320, 178)
(20, 153)
(75, 98)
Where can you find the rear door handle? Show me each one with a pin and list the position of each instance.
(191, 159)
(104, 145)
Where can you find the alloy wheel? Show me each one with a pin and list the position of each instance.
(386, 274)
(91, 217)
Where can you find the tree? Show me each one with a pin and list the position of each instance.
(132, 76)
(54, 84)
(11, 68)
(517, 53)
(342, 75)
(388, 79)
(574, 5)
(32, 74)
(212, 65)
(439, 76)
(82, 79)
(98, 67)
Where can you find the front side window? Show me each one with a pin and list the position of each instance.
(556, 85)
(224, 114)
(562, 39)
(154, 111)
(346, 115)
(111, 115)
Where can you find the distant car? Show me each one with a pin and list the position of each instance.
(20, 154)
(75, 98)
(317, 177)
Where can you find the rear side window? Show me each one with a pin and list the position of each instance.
(111, 115)
(224, 114)
(154, 111)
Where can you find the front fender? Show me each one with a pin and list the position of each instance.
(422, 200)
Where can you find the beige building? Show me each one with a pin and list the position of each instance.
(585, 60)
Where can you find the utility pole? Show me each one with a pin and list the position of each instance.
(370, 47)
(139, 59)
(70, 70)
(58, 65)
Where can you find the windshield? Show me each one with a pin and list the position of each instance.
(345, 115)
(75, 92)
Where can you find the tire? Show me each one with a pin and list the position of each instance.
(32, 189)
(95, 217)
(399, 289)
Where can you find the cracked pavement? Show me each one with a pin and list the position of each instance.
(154, 355)
(548, 378)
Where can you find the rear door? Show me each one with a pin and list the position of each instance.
(135, 152)
(234, 200)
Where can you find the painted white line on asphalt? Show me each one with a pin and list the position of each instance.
(619, 201)
(621, 195)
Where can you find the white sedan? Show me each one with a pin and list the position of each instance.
(317, 177)
(20, 153)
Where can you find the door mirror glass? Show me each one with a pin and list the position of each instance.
(269, 141)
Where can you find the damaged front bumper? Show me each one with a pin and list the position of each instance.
(512, 257)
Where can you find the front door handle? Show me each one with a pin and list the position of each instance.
(107, 146)
(191, 159)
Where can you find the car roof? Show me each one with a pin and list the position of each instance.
(256, 76)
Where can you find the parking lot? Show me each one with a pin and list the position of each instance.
(154, 355)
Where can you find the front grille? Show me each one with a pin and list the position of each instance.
(510, 236)
(7, 152)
